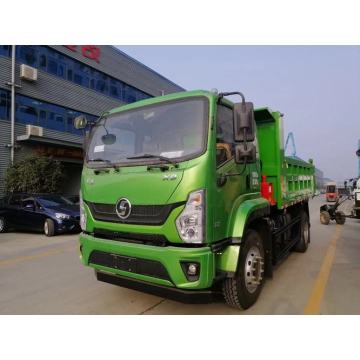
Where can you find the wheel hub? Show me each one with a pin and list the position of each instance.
(1, 224)
(254, 269)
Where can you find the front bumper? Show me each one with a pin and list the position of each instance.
(169, 257)
(185, 296)
(65, 226)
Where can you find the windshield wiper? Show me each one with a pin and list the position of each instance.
(105, 161)
(101, 160)
(151, 156)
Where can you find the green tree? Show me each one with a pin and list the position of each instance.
(35, 174)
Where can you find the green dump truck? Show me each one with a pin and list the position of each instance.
(189, 196)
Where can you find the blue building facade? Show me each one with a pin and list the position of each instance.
(71, 80)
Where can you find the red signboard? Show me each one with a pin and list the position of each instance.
(45, 150)
(89, 51)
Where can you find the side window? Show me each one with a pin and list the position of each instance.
(224, 135)
(27, 202)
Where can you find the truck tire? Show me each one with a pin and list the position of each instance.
(324, 217)
(3, 224)
(49, 227)
(340, 217)
(244, 288)
(304, 241)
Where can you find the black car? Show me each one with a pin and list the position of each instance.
(48, 213)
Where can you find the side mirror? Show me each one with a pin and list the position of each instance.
(80, 122)
(244, 120)
(108, 139)
(243, 155)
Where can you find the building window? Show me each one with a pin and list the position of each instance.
(42, 118)
(70, 75)
(56, 122)
(5, 50)
(52, 66)
(4, 105)
(42, 62)
(65, 67)
(28, 55)
(26, 114)
(34, 112)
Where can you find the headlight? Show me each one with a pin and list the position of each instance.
(62, 216)
(82, 214)
(191, 222)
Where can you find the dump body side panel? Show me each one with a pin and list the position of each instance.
(291, 177)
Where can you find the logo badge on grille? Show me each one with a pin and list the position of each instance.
(123, 208)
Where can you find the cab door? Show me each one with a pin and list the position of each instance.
(13, 209)
(31, 218)
(227, 188)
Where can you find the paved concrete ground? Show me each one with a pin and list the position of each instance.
(40, 275)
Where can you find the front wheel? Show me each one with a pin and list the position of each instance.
(49, 227)
(244, 288)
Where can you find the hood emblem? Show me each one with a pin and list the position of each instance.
(123, 208)
(170, 177)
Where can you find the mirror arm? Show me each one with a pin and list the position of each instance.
(223, 94)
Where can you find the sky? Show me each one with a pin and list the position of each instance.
(316, 87)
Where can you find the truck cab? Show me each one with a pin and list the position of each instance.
(182, 195)
(331, 192)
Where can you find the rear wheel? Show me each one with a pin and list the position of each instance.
(340, 217)
(3, 224)
(324, 217)
(304, 240)
(49, 227)
(244, 288)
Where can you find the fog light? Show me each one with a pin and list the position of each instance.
(191, 270)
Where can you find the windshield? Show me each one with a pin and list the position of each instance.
(53, 200)
(330, 188)
(174, 130)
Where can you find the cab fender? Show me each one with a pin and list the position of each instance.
(249, 211)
